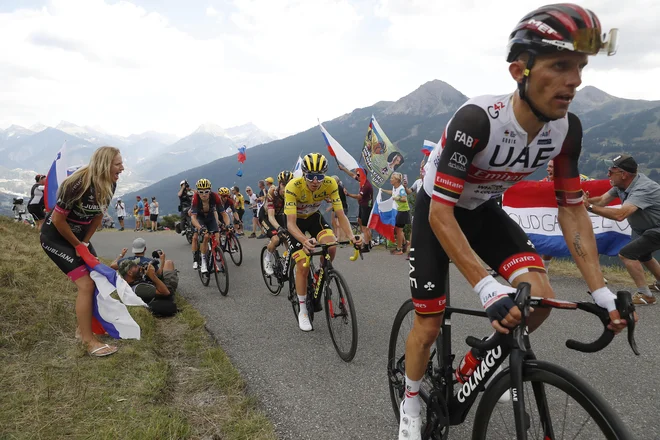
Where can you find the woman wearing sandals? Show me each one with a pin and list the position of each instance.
(68, 228)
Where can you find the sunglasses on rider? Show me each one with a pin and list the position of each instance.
(312, 176)
(203, 191)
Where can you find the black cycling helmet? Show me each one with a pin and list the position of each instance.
(553, 28)
(284, 177)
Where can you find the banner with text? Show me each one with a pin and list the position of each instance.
(381, 157)
(533, 206)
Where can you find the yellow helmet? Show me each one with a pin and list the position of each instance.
(284, 177)
(203, 184)
(314, 163)
(224, 191)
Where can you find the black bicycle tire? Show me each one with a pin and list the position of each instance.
(240, 250)
(406, 308)
(293, 295)
(189, 237)
(226, 268)
(581, 392)
(265, 276)
(346, 357)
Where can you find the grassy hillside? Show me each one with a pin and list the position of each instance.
(172, 384)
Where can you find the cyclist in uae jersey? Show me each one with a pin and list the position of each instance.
(491, 143)
(204, 218)
(302, 200)
(273, 219)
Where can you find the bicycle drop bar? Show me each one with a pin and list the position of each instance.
(522, 299)
(325, 246)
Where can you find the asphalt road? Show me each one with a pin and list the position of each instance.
(310, 393)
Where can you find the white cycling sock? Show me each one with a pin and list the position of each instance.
(268, 255)
(645, 290)
(204, 258)
(411, 404)
(303, 306)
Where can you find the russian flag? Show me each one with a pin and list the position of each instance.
(383, 216)
(533, 206)
(241, 154)
(427, 147)
(59, 170)
(109, 315)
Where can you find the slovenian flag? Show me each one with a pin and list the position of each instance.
(533, 206)
(427, 147)
(55, 177)
(111, 316)
(383, 216)
(297, 169)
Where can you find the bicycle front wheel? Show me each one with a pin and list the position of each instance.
(221, 272)
(235, 250)
(558, 404)
(340, 314)
(273, 284)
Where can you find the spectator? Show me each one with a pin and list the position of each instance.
(120, 208)
(153, 216)
(153, 280)
(403, 212)
(185, 202)
(147, 213)
(239, 202)
(364, 197)
(139, 214)
(36, 205)
(640, 198)
(414, 189)
(254, 204)
(261, 200)
(66, 236)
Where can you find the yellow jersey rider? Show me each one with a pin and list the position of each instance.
(302, 200)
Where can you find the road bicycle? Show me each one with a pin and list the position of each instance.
(275, 282)
(327, 286)
(216, 264)
(543, 395)
(229, 243)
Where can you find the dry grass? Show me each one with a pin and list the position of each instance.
(614, 274)
(174, 383)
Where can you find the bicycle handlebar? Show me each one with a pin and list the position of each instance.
(324, 247)
(524, 301)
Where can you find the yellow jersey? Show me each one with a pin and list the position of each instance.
(300, 200)
(240, 201)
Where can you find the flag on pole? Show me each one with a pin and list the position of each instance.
(241, 154)
(340, 154)
(239, 173)
(297, 169)
(56, 175)
(383, 216)
(427, 147)
(533, 206)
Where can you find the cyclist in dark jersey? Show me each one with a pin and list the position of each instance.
(66, 233)
(491, 143)
(227, 207)
(36, 205)
(273, 219)
(204, 218)
(185, 195)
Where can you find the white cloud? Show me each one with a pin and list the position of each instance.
(278, 63)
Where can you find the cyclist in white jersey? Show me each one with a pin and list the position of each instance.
(491, 143)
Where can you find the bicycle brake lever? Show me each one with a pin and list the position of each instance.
(626, 310)
(522, 301)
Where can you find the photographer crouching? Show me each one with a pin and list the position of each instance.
(154, 280)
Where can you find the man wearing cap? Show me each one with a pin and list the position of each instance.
(120, 208)
(148, 286)
(164, 269)
(640, 205)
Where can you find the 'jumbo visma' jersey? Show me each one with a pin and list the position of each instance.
(298, 199)
(484, 151)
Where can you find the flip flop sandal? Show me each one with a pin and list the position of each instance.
(96, 353)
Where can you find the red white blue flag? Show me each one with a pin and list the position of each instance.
(383, 216)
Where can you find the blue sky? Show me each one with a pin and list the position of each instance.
(169, 66)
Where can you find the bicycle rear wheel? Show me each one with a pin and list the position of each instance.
(564, 394)
(401, 327)
(340, 314)
(235, 250)
(221, 272)
(273, 284)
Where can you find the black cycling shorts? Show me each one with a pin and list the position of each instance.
(268, 227)
(240, 213)
(492, 234)
(62, 252)
(402, 219)
(363, 215)
(209, 222)
(37, 211)
(317, 227)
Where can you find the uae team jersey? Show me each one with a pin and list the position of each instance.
(484, 151)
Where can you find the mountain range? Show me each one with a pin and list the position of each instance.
(611, 125)
(148, 157)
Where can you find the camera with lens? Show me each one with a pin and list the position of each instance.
(156, 254)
